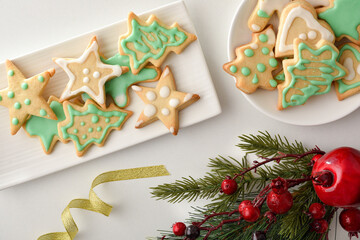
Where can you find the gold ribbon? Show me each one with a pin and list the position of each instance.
(95, 204)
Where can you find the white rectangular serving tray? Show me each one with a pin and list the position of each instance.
(22, 158)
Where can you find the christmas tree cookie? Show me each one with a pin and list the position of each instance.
(299, 20)
(118, 87)
(254, 63)
(151, 41)
(311, 73)
(23, 96)
(163, 102)
(349, 56)
(90, 124)
(88, 74)
(263, 11)
(46, 129)
(344, 18)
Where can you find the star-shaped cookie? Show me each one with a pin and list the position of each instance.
(23, 96)
(88, 74)
(163, 102)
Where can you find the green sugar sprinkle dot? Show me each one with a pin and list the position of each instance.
(90, 130)
(265, 50)
(76, 131)
(82, 123)
(98, 129)
(273, 62)
(15, 121)
(245, 71)
(43, 112)
(24, 86)
(84, 136)
(41, 78)
(11, 94)
(27, 101)
(233, 69)
(107, 120)
(249, 52)
(263, 38)
(17, 105)
(273, 83)
(11, 73)
(95, 119)
(261, 67)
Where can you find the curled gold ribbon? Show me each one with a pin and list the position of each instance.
(95, 204)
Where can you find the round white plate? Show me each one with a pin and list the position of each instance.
(318, 109)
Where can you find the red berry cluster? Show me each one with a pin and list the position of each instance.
(317, 212)
(191, 232)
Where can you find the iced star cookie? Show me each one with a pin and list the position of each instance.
(163, 102)
(349, 56)
(46, 129)
(118, 87)
(310, 73)
(151, 41)
(23, 96)
(254, 63)
(263, 11)
(344, 18)
(299, 20)
(90, 124)
(88, 74)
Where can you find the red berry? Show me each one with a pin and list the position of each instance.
(179, 229)
(319, 225)
(250, 213)
(350, 219)
(317, 210)
(279, 185)
(244, 204)
(192, 232)
(279, 203)
(229, 186)
(335, 177)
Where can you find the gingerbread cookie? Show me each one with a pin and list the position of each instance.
(263, 11)
(311, 73)
(343, 17)
(46, 129)
(254, 63)
(163, 102)
(23, 96)
(118, 87)
(88, 74)
(151, 41)
(90, 124)
(349, 56)
(299, 20)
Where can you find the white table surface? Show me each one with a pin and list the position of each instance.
(32, 209)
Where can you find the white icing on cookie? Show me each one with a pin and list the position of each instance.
(172, 130)
(299, 12)
(319, 3)
(136, 88)
(68, 93)
(269, 6)
(188, 97)
(164, 91)
(174, 102)
(120, 100)
(166, 72)
(349, 65)
(96, 74)
(150, 95)
(86, 79)
(86, 71)
(312, 35)
(358, 69)
(255, 27)
(165, 111)
(149, 110)
(138, 123)
(303, 36)
(271, 36)
(254, 46)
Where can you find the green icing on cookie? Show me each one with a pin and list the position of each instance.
(262, 14)
(343, 17)
(325, 79)
(343, 87)
(45, 128)
(117, 87)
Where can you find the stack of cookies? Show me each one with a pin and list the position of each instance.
(83, 113)
(316, 46)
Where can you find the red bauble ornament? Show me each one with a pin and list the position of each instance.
(179, 229)
(316, 157)
(350, 220)
(317, 210)
(229, 186)
(319, 225)
(279, 203)
(336, 177)
(248, 211)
